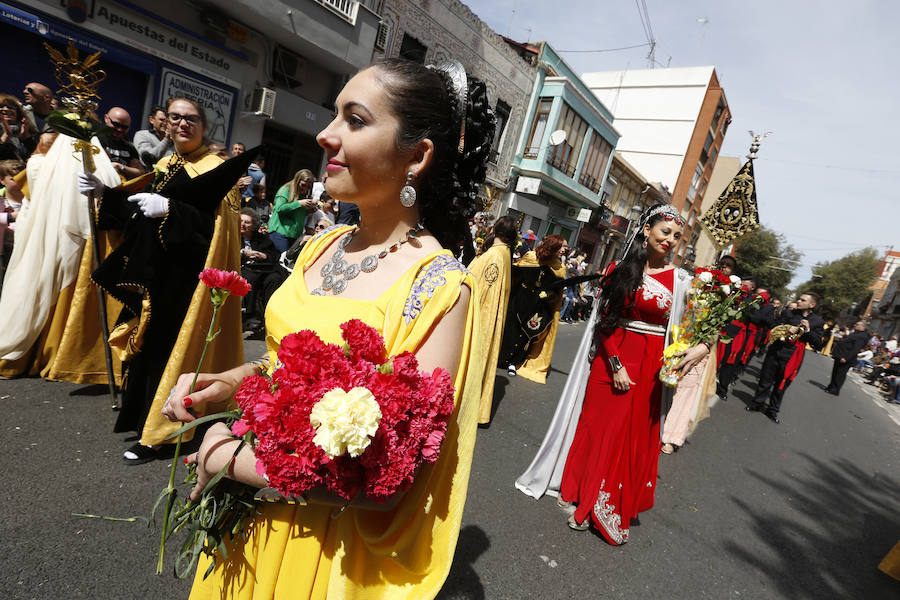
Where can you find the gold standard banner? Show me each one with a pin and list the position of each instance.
(735, 213)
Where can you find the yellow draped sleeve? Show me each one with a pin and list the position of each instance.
(492, 274)
(227, 351)
(304, 552)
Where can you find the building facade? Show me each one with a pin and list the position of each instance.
(885, 317)
(432, 30)
(626, 194)
(563, 157)
(673, 123)
(221, 54)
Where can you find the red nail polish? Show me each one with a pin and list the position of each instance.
(188, 402)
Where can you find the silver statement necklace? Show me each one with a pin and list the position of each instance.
(337, 272)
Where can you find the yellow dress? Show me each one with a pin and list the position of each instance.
(537, 364)
(492, 274)
(302, 552)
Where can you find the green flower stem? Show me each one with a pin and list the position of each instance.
(217, 301)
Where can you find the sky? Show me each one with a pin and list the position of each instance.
(820, 74)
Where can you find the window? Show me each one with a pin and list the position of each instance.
(381, 38)
(412, 49)
(565, 156)
(692, 190)
(595, 162)
(704, 154)
(713, 156)
(538, 127)
(702, 187)
(502, 115)
(691, 218)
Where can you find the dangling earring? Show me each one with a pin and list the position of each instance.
(408, 192)
(644, 244)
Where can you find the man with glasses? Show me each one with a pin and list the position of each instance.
(153, 143)
(124, 156)
(38, 103)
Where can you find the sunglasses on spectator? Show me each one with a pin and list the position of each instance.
(192, 120)
(321, 226)
(117, 125)
(8, 107)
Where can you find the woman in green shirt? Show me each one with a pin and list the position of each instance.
(289, 214)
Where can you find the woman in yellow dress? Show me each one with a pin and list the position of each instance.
(408, 146)
(492, 272)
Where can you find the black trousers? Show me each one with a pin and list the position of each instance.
(727, 375)
(838, 375)
(770, 377)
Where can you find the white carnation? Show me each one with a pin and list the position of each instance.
(726, 289)
(706, 277)
(735, 280)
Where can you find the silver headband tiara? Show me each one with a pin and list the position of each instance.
(667, 210)
(460, 90)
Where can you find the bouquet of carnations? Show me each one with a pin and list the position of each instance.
(713, 300)
(348, 419)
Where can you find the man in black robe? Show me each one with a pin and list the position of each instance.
(844, 355)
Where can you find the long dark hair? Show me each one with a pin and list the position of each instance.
(448, 189)
(505, 229)
(620, 286)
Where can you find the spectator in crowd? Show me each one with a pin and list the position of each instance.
(292, 201)
(843, 353)
(891, 343)
(121, 152)
(152, 143)
(258, 260)
(260, 204)
(219, 150)
(10, 205)
(256, 175)
(324, 211)
(237, 149)
(864, 359)
(39, 102)
(13, 123)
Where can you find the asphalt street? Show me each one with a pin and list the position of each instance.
(747, 509)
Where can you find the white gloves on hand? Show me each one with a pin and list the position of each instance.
(88, 182)
(152, 205)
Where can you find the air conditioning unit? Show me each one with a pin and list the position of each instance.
(572, 212)
(263, 102)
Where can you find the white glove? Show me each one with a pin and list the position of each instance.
(88, 182)
(152, 205)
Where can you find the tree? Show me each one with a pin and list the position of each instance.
(754, 253)
(842, 282)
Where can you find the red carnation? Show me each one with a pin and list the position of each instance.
(364, 342)
(227, 281)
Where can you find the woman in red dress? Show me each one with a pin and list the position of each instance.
(610, 472)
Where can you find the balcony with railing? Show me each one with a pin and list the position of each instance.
(345, 9)
(590, 182)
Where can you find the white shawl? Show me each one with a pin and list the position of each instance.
(49, 243)
(544, 474)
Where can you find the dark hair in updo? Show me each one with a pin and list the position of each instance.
(423, 103)
(620, 286)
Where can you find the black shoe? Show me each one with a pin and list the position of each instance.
(773, 417)
(753, 408)
(142, 454)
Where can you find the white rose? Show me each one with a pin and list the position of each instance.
(735, 280)
(706, 277)
(726, 289)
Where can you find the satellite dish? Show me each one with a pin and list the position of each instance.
(557, 137)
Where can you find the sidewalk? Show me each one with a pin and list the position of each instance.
(877, 396)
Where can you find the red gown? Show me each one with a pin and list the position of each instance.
(611, 468)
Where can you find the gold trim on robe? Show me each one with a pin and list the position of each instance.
(537, 364)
